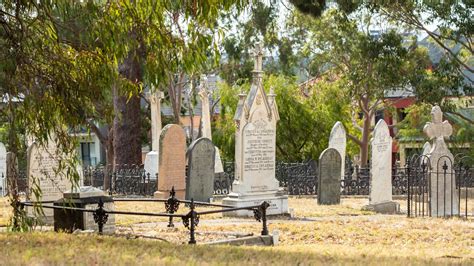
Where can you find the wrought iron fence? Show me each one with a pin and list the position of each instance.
(190, 220)
(442, 191)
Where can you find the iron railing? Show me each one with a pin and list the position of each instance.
(190, 220)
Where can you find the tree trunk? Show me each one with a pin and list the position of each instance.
(364, 145)
(127, 122)
(109, 167)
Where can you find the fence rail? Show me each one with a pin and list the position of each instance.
(190, 220)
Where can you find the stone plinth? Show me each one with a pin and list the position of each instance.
(87, 198)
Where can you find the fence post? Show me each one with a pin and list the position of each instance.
(191, 220)
(172, 205)
(100, 216)
(408, 189)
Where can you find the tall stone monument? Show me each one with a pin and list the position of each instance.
(255, 141)
(200, 177)
(380, 198)
(337, 140)
(172, 162)
(152, 157)
(329, 181)
(3, 170)
(443, 193)
(206, 121)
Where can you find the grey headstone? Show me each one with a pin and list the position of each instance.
(200, 182)
(329, 182)
(3, 170)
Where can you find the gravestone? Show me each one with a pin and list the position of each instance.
(200, 177)
(172, 162)
(43, 172)
(256, 118)
(3, 170)
(87, 198)
(206, 122)
(443, 193)
(329, 182)
(151, 159)
(380, 198)
(337, 140)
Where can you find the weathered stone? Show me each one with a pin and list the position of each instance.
(425, 153)
(329, 182)
(200, 177)
(337, 140)
(87, 198)
(381, 164)
(388, 207)
(256, 119)
(444, 199)
(172, 162)
(44, 172)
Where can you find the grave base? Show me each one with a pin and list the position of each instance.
(388, 207)
(277, 200)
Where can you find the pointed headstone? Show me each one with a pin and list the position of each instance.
(200, 177)
(256, 118)
(172, 162)
(337, 140)
(443, 193)
(425, 153)
(380, 198)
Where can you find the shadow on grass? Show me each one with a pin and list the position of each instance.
(57, 248)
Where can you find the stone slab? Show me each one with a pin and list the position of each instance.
(200, 177)
(151, 165)
(389, 207)
(329, 181)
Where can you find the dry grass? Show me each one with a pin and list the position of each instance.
(318, 234)
(4, 211)
(58, 249)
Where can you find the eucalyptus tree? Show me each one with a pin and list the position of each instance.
(63, 60)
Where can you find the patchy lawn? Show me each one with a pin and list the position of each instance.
(341, 234)
(58, 249)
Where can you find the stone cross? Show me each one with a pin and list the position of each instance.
(206, 115)
(155, 106)
(443, 192)
(258, 57)
(438, 128)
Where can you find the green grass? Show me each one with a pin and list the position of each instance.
(57, 248)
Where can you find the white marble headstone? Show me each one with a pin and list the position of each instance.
(337, 140)
(425, 153)
(256, 119)
(381, 164)
(444, 197)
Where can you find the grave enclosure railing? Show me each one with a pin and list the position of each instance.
(446, 191)
(190, 220)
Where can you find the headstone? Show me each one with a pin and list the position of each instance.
(87, 198)
(200, 177)
(443, 197)
(43, 172)
(256, 120)
(329, 181)
(380, 198)
(3, 170)
(172, 162)
(206, 121)
(151, 159)
(337, 140)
